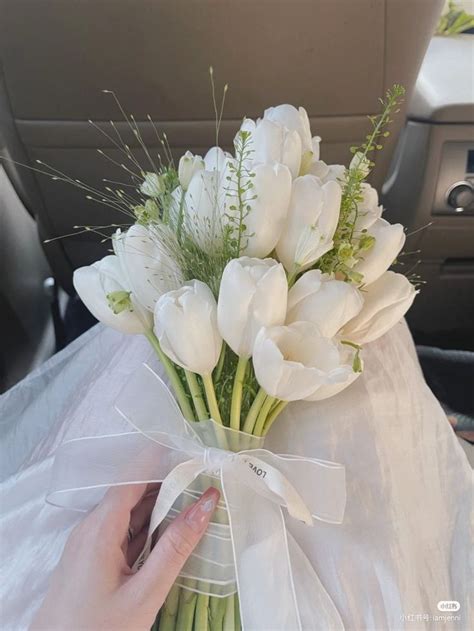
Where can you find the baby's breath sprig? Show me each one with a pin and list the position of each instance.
(349, 247)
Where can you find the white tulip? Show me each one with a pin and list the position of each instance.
(327, 172)
(389, 240)
(368, 209)
(104, 289)
(326, 302)
(385, 303)
(312, 220)
(153, 185)
(189, 164)
(216, 159)
(347, 355)
(186, 327)
(204, 209)
(211, 201)
(149, 268)
(294, 120)
(292, 362)
(271, 142)
(253, 294)
(337, 173)
(266, 208)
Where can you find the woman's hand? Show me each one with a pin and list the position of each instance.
(94, 587)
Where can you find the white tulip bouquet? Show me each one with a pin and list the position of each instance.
(257, 277)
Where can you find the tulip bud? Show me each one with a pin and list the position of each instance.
(205, 209)
(385, 302)
(312, 220)
(217, 160)
(292, 362)
(294, 120)
(189, 164)
(104, 290)
(389, 240)
(253, 294)
(326, 302)
(265, 209)
(271, 142)
(149, 268)
(153, 185)
(186, 326)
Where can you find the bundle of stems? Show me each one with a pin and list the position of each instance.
(248, 409)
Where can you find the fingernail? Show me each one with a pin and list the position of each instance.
(200, 513)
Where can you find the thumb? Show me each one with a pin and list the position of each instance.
(174, 547)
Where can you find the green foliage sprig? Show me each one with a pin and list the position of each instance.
(349, 246)
(239, 190)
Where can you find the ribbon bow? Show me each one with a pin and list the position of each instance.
(247, 547)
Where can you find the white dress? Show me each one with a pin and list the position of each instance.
(405, 541)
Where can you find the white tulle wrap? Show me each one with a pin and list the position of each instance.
(248, 543)
(404, 543)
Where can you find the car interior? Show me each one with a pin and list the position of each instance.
(61, 63)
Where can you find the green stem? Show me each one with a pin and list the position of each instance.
(262, 416)
(216, 613)
(274, 412)
(173, 377)
(229, 615)
(169, 610)
(292, 277)
(187, 606)
(179, 227)
(201, 617)
(237, 620)
(211, 398)
(220, 364)
(237, 392)
(196, 393)
(254, 410)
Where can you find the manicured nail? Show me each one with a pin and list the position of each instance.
(200, 513)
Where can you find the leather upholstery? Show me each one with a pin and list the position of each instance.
(335, 57)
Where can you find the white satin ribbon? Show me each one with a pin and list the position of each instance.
(247, 547)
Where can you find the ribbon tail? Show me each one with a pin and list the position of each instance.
(317, 610)
(175, 483)
(262, 559)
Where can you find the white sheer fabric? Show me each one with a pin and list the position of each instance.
(405, 540)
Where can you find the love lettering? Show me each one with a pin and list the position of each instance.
(257, 470)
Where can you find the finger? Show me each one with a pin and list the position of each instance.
(115, 509)
(136, 546)
(172, 550)
(139, 518)
(142, 511)
(152, 488)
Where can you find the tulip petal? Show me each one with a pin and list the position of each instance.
(385, 303)
(326, 302)
(94, 282)
(389, 240)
